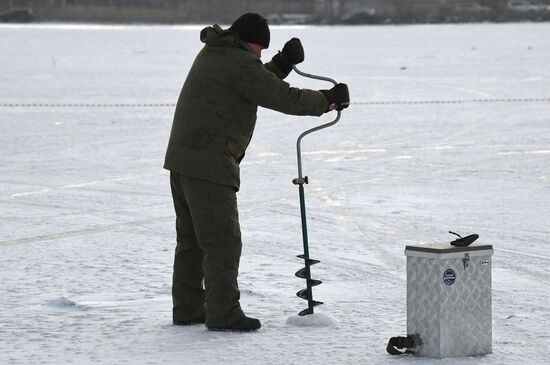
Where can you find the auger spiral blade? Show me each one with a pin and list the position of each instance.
(303, 294)
(305, 312)
(307, 294)
(311, 282)
(302, 273)
(309, 261)
(309, 310)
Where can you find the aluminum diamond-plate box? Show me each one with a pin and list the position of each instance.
(449, 299)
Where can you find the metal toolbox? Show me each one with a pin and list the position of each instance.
(449, 299)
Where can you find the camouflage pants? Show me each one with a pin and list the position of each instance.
(208, 251)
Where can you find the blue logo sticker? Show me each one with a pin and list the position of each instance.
(449, 277)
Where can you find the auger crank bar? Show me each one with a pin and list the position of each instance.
(305, 272)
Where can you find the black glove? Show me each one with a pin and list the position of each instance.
(338, 97)
(292, 54)
(293, 51)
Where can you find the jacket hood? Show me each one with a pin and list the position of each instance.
(216, 36)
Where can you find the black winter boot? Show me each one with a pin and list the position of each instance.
(245, 324)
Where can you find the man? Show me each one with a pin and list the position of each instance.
(213, 124)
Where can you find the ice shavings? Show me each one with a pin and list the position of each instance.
(63, 304)
(312, 320)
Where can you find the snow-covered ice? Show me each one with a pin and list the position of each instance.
(87, 224)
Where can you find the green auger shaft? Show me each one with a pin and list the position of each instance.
(306, 247)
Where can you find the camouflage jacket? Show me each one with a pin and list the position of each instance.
(216, 110)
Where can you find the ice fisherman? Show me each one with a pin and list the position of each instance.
(212, 127)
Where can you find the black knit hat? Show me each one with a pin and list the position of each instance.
(252, 28)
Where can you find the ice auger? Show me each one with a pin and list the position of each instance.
(305, 272)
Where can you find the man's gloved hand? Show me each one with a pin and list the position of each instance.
(292, 54)
(293, 51)
(338, 97)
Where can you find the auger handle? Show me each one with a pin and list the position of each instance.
(322, 126)
(305, 273)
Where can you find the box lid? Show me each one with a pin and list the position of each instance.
(446, 250)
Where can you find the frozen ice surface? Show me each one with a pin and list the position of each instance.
(86, 211)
